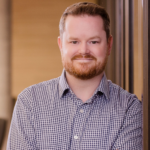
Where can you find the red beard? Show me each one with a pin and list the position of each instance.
(84, 71)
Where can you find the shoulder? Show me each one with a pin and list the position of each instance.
(39, 92)
(123, 97)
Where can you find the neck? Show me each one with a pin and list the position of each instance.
(83, 89)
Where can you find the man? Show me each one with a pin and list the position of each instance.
(80, 110)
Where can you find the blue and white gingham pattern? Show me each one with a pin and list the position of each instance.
(49, 116)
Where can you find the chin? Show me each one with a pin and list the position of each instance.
(85, 71)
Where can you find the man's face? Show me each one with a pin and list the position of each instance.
(84, 46)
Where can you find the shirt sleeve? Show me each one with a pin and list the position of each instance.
(22, 132)
(130, 134)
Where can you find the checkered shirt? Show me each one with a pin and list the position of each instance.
(49, 116)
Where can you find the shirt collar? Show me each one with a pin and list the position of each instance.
(103, 86)
(63, 85)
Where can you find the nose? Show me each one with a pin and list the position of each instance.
(84, 48)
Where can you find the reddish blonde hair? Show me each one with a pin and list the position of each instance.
(85, 8)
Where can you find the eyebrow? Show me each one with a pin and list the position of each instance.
(94, 37)
(73, 38)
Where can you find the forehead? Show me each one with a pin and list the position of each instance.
(84, 25)
(74, 20)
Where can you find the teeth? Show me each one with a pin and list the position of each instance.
(83, 59)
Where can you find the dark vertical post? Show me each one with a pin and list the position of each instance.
(131, 80)
(146, 74)
(2, 130)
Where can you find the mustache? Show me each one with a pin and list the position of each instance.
(83, 56)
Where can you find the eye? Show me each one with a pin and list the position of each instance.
(74, 42)
(94, 42)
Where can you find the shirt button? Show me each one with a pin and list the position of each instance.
(76, 137)
(81, 111)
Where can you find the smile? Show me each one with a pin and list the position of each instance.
(83, 59)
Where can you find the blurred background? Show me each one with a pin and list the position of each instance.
(29, 53)
(35, 55)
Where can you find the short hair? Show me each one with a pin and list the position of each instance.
(85, 8)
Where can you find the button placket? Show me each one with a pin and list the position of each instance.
(76, 137)
(81, 111)
(79, 122)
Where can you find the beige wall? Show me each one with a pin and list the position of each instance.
(35, 54)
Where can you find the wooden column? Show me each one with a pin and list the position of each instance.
(5, 98)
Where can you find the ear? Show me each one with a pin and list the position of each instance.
(59, 41)
(110, 43)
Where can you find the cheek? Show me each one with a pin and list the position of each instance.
(101, 54)
(99, 50)
(103, 50)
(66, 54)
(65, 50)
